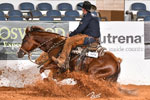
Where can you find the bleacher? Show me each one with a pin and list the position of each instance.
(27, 11)
(138, 12)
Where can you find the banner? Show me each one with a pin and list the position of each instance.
(12, 33)
(126, 40)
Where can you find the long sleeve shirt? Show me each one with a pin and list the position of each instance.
(89, 25)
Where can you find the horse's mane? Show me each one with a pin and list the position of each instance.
(40, 30)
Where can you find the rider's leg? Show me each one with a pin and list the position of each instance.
(70, 43)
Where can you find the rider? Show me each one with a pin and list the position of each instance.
(87, 32)
(93, 11)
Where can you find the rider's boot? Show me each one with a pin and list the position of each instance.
(69, 44)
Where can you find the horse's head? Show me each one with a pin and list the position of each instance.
(36, 37)
(28, 44)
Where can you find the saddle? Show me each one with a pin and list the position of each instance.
(92, 50)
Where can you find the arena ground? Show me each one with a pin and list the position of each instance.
(85, 89)
(24, 94)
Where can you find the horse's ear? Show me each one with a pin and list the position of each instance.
(37, 28)
(27, 30)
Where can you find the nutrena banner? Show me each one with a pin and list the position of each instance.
(12, 33)
(126, 40)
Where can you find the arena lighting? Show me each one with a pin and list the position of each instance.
(121, 39)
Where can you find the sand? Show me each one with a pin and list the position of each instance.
(85, 89)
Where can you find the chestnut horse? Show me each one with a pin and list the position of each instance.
(106, 66)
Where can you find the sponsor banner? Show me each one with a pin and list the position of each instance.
(126, 40)
(12, 33)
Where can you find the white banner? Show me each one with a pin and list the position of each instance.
(126, 40)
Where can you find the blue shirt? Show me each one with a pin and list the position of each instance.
(89, 25)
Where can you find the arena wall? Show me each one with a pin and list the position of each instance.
(116, 5)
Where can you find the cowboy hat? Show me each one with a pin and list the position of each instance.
(86, 5)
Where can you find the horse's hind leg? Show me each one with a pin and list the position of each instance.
(99, 73)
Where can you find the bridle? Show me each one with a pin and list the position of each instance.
(54, 46)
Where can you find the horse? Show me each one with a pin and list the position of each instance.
(104, 67)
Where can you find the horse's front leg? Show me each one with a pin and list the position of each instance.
(53, 70)
(42, 69)
(43, 75)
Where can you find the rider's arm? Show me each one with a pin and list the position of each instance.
(83, 24)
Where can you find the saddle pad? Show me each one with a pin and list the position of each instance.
(94, 53)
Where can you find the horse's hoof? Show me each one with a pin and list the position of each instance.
(42, 70)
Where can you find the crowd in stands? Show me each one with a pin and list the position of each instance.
(43, 11)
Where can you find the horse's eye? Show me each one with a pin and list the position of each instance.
(24, 40)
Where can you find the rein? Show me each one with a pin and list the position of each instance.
(54, 46)
(29, 54)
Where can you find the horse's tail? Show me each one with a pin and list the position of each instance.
(119, 60)
(127, 91)
(114, 77)
(118, 67)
